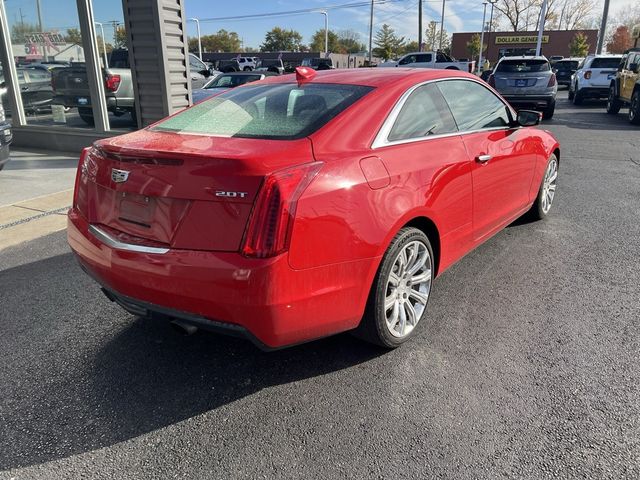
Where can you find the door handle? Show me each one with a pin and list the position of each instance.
(483, 158)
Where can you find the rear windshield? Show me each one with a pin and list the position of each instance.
(230, 81)
(282, 111)
(572, 65)
(523, 65)
(605, 62)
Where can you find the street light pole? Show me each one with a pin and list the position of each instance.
(492, 2)
(371, 32)
(104, 47)
(543, 13)
(442, 24)
(326, 32)
(484, 14)
(40, 27)
(419, 25)
(199, 40)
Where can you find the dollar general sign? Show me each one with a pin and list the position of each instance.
(520, 39)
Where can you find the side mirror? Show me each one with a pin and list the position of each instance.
(205, 73)
(528, 118)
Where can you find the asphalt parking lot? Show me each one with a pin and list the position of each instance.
(527, 366)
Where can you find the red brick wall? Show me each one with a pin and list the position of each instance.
(558, 42)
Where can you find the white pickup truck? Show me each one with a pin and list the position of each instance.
(429, 60)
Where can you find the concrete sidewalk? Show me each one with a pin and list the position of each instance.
(36, 189)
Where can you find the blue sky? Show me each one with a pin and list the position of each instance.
(460, 15)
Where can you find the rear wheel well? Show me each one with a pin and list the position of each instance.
(556, 152)
(429, 228)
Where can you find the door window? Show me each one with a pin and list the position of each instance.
(407, 60)
(424, 113)
(473, 106)
(195, 64)
(424, 58)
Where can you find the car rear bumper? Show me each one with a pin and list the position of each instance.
(594, 92)
(530, 101)
(264, 300)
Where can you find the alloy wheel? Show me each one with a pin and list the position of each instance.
(407, 289)
(549, 185)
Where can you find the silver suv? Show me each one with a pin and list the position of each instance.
(526, 82)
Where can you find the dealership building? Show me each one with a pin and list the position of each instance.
(501, 44)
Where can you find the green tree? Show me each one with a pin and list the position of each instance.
(432, 38)
(317, 42)
(388, 44)
(73, 36)
(578, 47)
(18, 31)
(221, 41)
(473, 46)
(281, 40)
(349, 41)
(107, 46)
(411, 47)
(121, 38)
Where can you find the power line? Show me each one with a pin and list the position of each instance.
(298, 12)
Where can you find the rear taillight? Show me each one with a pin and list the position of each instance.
(112, 82)
(492, 80)
(552, 80)
(80, 187)
(269, 229)
(587, 74)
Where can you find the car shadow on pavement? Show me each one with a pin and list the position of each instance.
(80, 374)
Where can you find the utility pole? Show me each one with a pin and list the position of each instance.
(543, 13)
(484, 14)
(603, 27)
(326, 32)
(442, 24)
(419, 25)
(370, 33)
(40, 28)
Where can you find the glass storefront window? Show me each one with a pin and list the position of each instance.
(47, 46)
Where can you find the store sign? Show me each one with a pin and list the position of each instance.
(48, 38)
(511, 40)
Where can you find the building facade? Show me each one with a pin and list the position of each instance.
(500, 44)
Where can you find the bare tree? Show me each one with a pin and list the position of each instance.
(574, 14)
(516, 12)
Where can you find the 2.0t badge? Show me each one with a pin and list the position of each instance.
(119, 176)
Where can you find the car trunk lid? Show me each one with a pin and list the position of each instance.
(182, 191)
(525, 83)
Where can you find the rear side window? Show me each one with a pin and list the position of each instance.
(565, 66)
(280, 111)
(424, 113)
(605, 62)
(523, 66)
(473, 106)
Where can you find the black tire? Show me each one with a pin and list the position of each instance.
(134, 117)
(452, 68)
(537, 210)
(577, 98)
(571, 94)
(374, 328)
(613, 104)
(634, 108)
(247, 69)
(547, 113)
(86, 114)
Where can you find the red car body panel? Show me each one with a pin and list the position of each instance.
(344, 221)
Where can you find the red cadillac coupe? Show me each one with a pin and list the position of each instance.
(308, 204)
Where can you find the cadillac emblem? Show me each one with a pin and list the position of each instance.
(119, 176)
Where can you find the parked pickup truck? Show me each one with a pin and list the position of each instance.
(71, 87)
(429, 60)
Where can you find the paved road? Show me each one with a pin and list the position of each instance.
(527, 366)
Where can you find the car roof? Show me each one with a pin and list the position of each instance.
(375, 77)
(525, 57)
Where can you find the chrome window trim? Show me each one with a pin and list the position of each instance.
(108, 240)
(381, 139)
